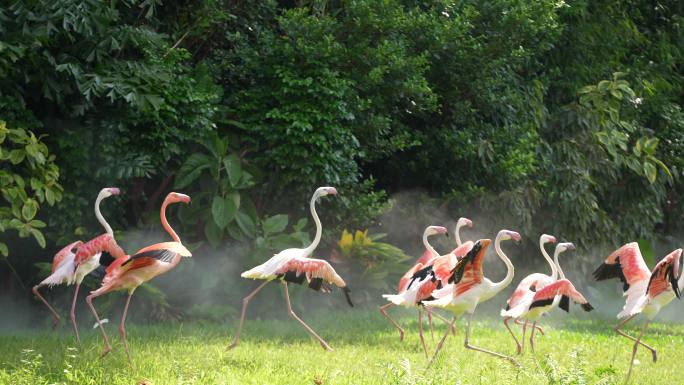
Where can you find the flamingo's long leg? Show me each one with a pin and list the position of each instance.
(432, 331)
(534, 324)
(472, 347)
(396, 325)
(505, 321)
(539, 328)
(522, 340)
(634, 350)
(55, 316)
(72, 315)
(446, 321)
(420, 331)
(89, 301)
(619, 331)
(122, 328)
(293, 315)
(441, 341)
(245, 302)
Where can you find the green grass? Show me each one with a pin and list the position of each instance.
(367, 351)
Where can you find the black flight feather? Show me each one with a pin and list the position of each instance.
(163, 255)
(346, 294)
(565, 303)
(587, 307)
(541, 302)
(608, 271)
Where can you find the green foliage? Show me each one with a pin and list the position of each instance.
(372, 265)
(28, 180)
(222, 205)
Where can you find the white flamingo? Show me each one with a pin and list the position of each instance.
(295, 265)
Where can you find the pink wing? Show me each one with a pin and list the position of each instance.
(71, 248)
(625, 263)
(425, 258)
(406, 278)
(665, 275)
(313, 268)
(462, 250)
(561, 287)
(103, 242)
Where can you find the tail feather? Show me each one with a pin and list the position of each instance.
(63, 274)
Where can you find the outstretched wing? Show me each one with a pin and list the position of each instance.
(563, 287)
(102, 243)
(313, 269)
(665, 275)
(406, 278)
(468, 271)
(626, 264)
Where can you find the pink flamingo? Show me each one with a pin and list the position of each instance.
(75, 261)
(428, 279)
(288, 266)
(646, 292)
(426, 259)
(531, 304)
(534, 281)
(467, 287)
(129, 272)
(428, 256)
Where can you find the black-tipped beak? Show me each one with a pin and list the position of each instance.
(447, 234)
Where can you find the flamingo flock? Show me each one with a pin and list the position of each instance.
(453, 282)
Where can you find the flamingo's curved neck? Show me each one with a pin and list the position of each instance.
(100, 218)
(510, 270)
(555, 260)
(427, 244)
(457, 233)
(554, 272)
(165, 223)
(319, 228)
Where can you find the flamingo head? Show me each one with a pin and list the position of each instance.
(323, 191)
(627, 250)
(546, 238)
(673, 259)
(174, 197)
(108, 191)
(433, 230)
(505, 235)
(462, 221)
(561, 247)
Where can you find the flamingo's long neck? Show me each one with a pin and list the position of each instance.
(427, 244)
(457, 233)
(556, 253)
(510, 270)
(319, 228)
(100, 218)
(554, 272)
(166, 224)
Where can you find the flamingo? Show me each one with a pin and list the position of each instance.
(75, 261)
(288, 266)
(428, 255)
(531, 303)
(129, 272)
(535, 281)
(468, 287)
(428, 279)
(646, 292)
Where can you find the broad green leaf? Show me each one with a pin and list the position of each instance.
(29, 210)
(213, 233)
(223, 211)
(191, 169)
(39, 237)
(650, 171)
(4, 250)
(16, 156)
(246, 223)
(275, 224)
(233, 168)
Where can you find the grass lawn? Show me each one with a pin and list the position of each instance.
(367, 351)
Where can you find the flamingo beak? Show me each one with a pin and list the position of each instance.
(114, 191)
(332, 191)
(570, 247)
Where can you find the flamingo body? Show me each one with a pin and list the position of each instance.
(63, 266)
